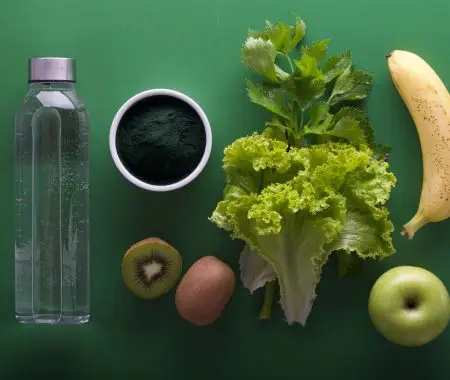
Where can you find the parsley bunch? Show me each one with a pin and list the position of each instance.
(313, 98)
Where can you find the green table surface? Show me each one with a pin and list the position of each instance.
(123, 47)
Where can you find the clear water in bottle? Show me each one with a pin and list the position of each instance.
(52, 199)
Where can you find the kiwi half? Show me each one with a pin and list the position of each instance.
(151, 268)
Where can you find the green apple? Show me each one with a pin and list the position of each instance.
(409, 306)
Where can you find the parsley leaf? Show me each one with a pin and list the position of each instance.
(259, 55)
(336, 65)
(306, 90)
(317, 49)
(281, 74)
(277, 130)
(308, 84)
(319, 113)
(298, 32)
(271, 99)
(352, 84)
(283, 36)
(309, 67)
(346, 124)
(279, 34)
(347, 128)
(381, 152)
(361, 117)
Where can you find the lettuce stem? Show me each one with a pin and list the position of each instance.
(269, 295)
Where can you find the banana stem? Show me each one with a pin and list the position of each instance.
(414, 225)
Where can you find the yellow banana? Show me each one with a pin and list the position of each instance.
(428, 101)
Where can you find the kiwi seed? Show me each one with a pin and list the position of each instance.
(151, 268)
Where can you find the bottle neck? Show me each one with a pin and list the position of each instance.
(52, 86)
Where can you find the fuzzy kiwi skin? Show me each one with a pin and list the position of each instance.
(204, 291)
(150, 240)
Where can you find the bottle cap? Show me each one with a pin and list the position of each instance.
(51, 70)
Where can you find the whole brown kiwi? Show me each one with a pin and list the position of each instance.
(204, 291)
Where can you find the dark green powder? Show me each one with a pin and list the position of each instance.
(161, 140)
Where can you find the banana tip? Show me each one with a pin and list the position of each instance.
(405, 233)
(389, 54)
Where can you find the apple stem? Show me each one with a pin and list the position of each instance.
(414, 225)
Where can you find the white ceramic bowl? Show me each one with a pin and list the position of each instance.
(129, 176)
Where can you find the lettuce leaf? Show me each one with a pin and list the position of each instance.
(255, 271)
(301, 206)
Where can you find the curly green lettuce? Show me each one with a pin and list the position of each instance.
(294, 207)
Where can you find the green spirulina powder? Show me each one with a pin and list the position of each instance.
(161, 140)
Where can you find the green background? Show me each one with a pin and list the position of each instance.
(123, 47)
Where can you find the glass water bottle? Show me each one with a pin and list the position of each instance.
(52, 198)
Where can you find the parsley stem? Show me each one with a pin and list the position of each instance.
(269, 295)
(290, 63)
(294, 117)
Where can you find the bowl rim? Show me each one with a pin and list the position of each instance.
(147, 94)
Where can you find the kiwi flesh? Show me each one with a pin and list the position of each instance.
(151, 268)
